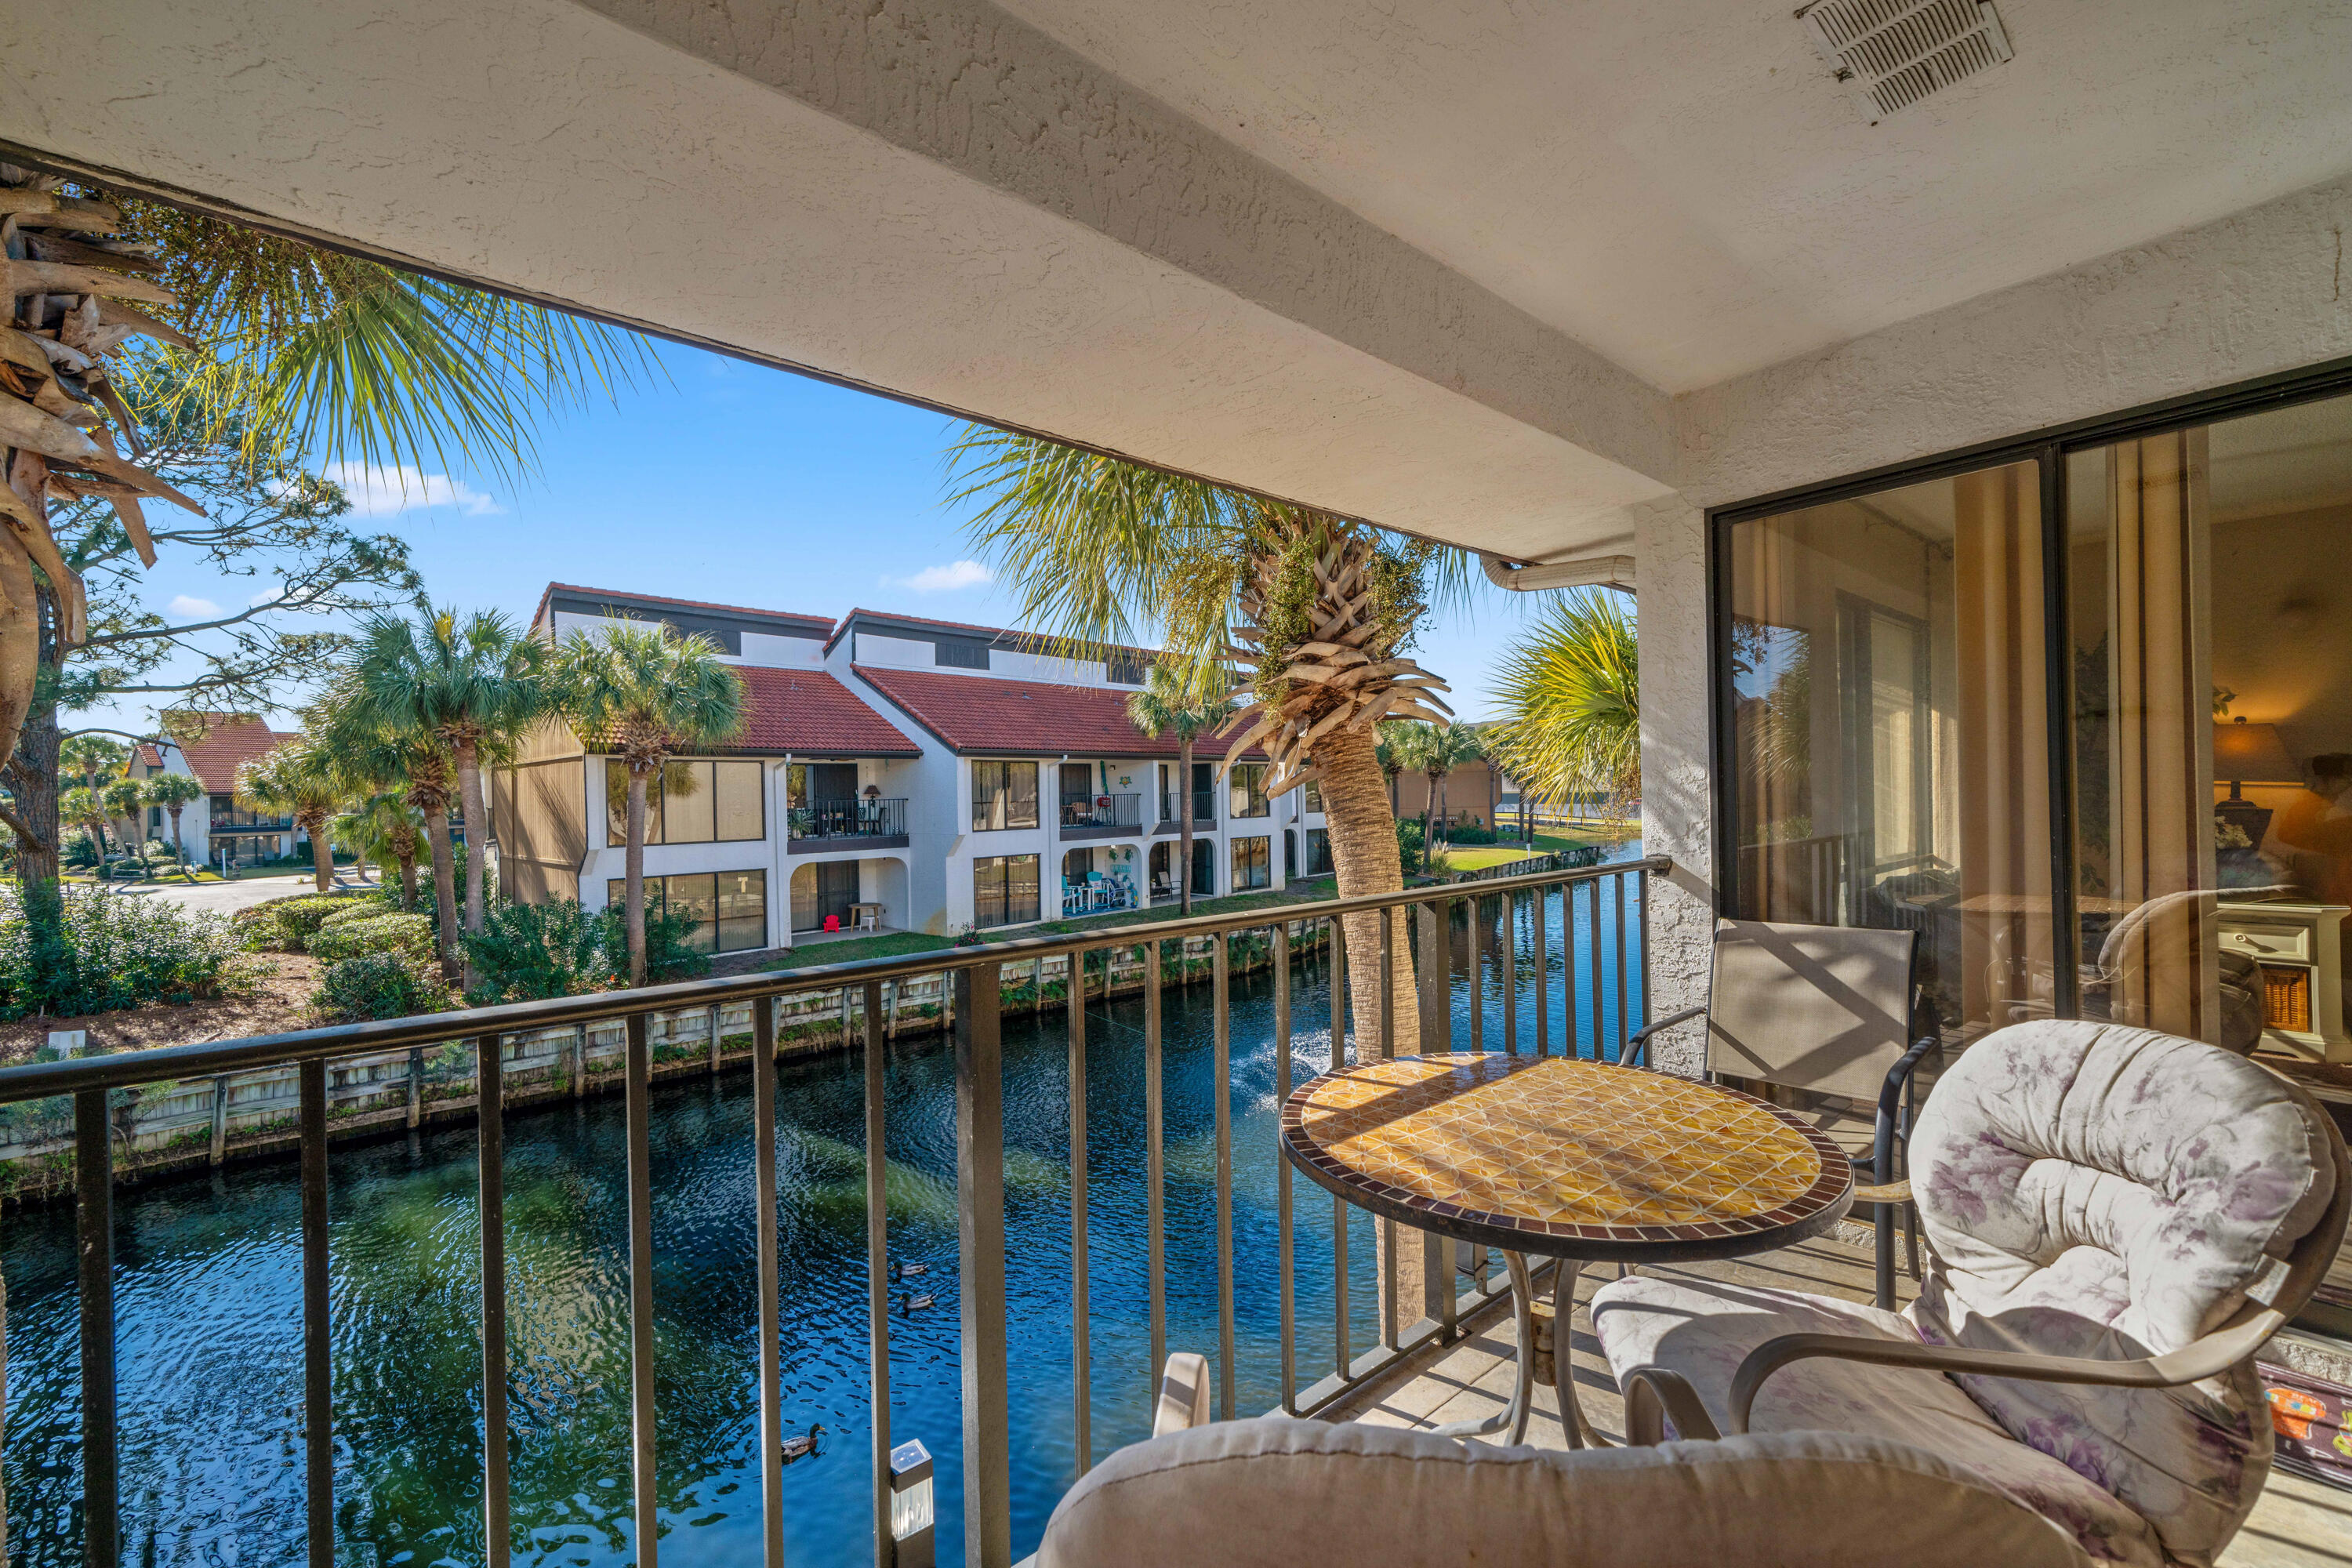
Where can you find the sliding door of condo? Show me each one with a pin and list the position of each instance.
(2210, 624)
(1888, 729)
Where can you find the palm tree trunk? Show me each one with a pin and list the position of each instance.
(323, 851)
(1184, 820)
(1364, 855)
(634, 870)
(470, 800)
(33, 780)
(445, 888)
(408, 878)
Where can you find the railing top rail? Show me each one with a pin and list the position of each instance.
(40, 1081)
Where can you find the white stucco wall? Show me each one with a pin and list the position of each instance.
(1676, 798)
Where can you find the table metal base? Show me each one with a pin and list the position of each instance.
(1579, 1431)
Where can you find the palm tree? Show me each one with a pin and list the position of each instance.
(1391, 766)
(298, 777)
(370, 758)
(288, 348)
(387, 829)
(1571, 700)
(124, 801)
(174, 792)
(81, 806)
(647, 694)
(1169, 705)
(1318, 608)
(472, 682)
(92, 758)
(1451, 746)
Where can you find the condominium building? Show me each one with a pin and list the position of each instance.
(895, 772)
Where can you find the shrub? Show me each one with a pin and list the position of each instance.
(1470, 833)
(411, 936)
(350, 909)
(94, 952)
(1409, 845)
(374, 985)
(526, 951)
(79, 850)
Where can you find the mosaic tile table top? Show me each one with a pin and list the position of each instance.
(1559, 1157)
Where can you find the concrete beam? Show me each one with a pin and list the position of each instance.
(926, 197)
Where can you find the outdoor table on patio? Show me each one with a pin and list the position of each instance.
(1579, 1160)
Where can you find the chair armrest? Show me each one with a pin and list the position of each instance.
(1889, 1193)
(2224, 1348)
(1637, 1043)
(1655, 1394)
(1890, 1098)
(1183, 1395)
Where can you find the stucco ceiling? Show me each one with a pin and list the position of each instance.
(1684, 188)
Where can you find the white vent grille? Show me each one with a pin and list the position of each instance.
(1893, 53)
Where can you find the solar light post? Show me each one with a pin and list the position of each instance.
(911, 1513)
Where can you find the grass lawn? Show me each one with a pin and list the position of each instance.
(1475, 857)
(173, 877)
(898, 944)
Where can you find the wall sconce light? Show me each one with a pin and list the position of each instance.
(911, 1506)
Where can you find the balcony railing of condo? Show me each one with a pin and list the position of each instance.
(857, 817)
(1204, 807)
(1102, 811)
(1514, 928)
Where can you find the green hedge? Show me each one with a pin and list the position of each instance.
(375, 931)
(90, 951)
(374, 985)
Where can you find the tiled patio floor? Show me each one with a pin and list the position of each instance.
(2297, 1525)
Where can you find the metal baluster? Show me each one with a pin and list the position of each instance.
(636, 1094)
(1592, 942)
(1222, 1068)
(1338, 979)
(1642, 895)
(1388, 1244)
(1617, 897)
(1509, 960)
(94, 1245)
(1474, 929)
(1282, 1168)
(764, 1222)
(1542, 901)
(1082, 1416)
(878, 1275)
(980, 1236)
(1155, 1220)
(489, 1110)
(317, 1364)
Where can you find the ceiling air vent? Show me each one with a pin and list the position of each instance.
(1893, 53)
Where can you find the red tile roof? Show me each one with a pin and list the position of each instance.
(145, 756)
(1025, 718)
(809, 713)
(229, 740)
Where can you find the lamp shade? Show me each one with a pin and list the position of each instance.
(2252, 753)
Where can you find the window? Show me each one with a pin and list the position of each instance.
(693, 801)
(1252, 864)
(1003, 794)
(1247, 793)
(960, 654)
(1004, 890)
(823, 890)
(729, 908)
(1313, 797)
(1318, 852)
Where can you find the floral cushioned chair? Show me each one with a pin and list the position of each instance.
(2117, 1219)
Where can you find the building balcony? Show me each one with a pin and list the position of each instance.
(821, 824)
(1087, 816)
(1204, 811)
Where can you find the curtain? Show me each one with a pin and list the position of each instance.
(2159, 964)
(2003, 752)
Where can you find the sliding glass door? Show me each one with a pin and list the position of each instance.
(1890, 704)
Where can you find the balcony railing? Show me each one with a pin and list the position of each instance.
(1204, 807)
(853, 819)
(1102, 811)
(1581, 927)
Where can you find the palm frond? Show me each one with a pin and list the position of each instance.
(1570, 696)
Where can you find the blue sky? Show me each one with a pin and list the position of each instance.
(738, 484)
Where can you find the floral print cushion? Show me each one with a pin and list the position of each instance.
(2089, 1189)
(1703, 1330)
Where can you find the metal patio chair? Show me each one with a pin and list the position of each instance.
(1829, 1010)
(2118, 1220)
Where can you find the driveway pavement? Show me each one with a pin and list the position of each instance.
(228, 898)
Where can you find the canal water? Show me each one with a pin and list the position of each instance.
(209, 1276)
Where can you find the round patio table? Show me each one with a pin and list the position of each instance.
(1578, 1161)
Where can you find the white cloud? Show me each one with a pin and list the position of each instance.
(947, 579)
(187, 607)
(376, 490)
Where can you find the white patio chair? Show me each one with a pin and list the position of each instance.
(1279, 1493)
(2116, 1220)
